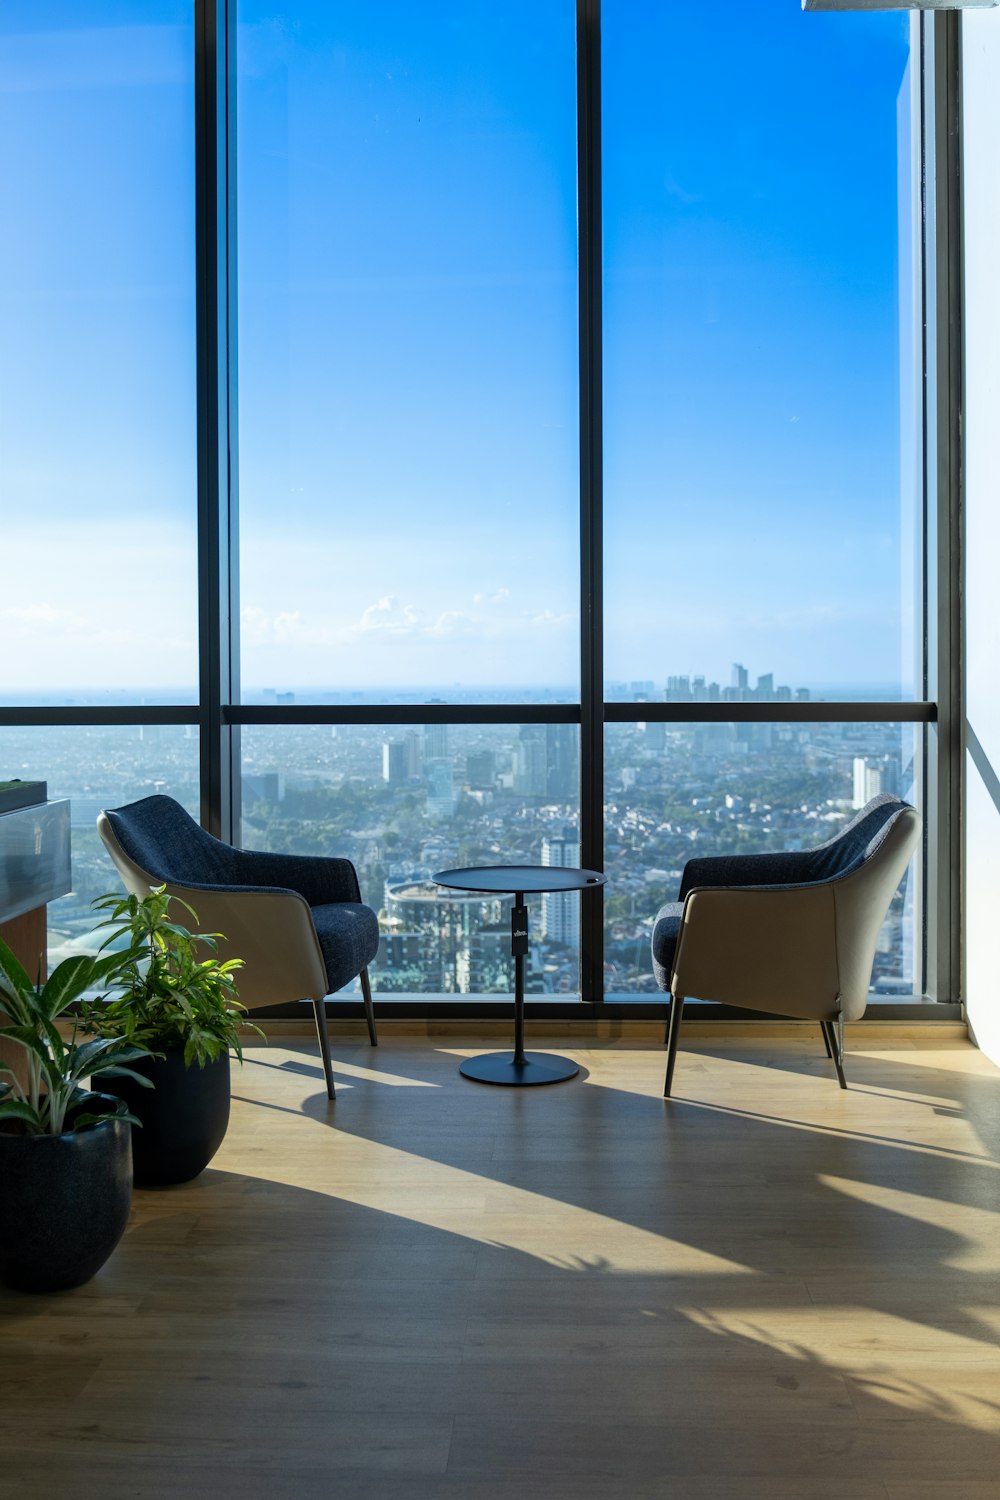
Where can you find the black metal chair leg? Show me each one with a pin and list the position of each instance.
(673, 1034)
(826, 1038)
(837, 1042)
(319, 1006)
(366, 990)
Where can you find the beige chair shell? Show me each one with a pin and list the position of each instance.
(276, 930)
(804, 951)
(272, 932)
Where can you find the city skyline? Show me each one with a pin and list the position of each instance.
(671, 790)
(423, 694)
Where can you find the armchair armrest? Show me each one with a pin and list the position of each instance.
(792, 868)
(725, 930)
(271, 930)
(318, 878)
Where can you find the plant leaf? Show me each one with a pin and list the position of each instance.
(116, 1072)
(13, 975)
(18, 1109)
(66, 983)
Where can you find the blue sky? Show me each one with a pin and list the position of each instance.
(408, 401)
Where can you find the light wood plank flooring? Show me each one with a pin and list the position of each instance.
(765, 1289)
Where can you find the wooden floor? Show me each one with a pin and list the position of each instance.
(765, 1289)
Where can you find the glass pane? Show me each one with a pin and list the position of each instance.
(404, 803)
(97, 359)
(761, 381)
(99, 767)
(408, 346)
(673, 793)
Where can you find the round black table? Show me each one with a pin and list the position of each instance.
(519, 1068)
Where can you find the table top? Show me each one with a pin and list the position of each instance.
(508, 879)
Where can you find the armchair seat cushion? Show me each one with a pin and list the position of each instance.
(666, 932)
(348, 936)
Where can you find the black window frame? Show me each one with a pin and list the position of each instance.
(219, 714)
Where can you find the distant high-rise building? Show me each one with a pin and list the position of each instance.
(561, 909)
(765, 688)
(867, 781)
(741, 677)
(436, 742)
(481, 770)
(440, 778)
(414, 754)
(562, 773)
(395, 762)
(285, 698)
(264, 786)
(530, 778)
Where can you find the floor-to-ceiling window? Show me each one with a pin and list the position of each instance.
(762, 484)
(98, 609)
(473, 612)
(408, 494)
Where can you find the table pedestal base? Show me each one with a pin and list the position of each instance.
(530, 1068)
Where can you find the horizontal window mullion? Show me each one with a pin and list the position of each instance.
(416, 713)
(771, 713)
(166, 713)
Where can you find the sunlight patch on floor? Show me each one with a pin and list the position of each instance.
(915, 1367)
(464, 1203)
(974, 1231)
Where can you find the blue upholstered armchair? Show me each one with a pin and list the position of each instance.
(297, 921)
(793, 934)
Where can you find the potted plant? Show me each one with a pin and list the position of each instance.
(181, 1005)
(65, 1153)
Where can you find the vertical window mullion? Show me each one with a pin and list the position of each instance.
(591, 490)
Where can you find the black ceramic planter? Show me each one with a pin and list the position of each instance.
(64, 1204)
(184, 1116)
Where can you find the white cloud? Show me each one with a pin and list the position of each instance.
(454, 623)
(260, 628)
(547, 618)
(390, 616)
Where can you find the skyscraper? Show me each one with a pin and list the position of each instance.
(529, 761)
(436, 742)
(561, 909)
(394, 762)
(562, 778)
(867, 781)
(439, 775)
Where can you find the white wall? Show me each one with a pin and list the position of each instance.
(981, 145)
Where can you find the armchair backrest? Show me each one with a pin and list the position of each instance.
(864, 890)
(163, 841)
(795, 933)
(858, 841)
(155, 842)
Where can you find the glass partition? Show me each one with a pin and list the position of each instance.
(701, 789)
(99, 766)
(403, 803)
(97, 358)
(762, 456)
(408, 351)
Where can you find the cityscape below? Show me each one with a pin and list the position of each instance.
(404, 802)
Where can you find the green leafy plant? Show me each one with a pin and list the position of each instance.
(171, 997)
(54, 1099)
